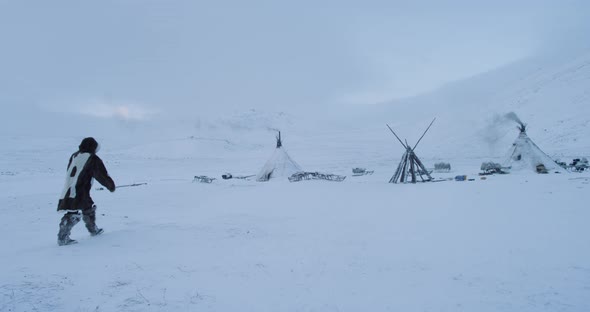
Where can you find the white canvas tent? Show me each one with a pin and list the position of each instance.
(526, 155)
(280, 164)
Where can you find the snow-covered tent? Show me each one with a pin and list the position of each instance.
(280, 164)
(526, 155)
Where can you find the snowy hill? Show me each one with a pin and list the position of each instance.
(551, 93)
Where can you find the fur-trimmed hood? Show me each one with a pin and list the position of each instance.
(88, 145)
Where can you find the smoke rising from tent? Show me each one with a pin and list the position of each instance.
(498, 127)
(512, 116)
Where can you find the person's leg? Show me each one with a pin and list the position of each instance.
(65, 228)
(89, 217)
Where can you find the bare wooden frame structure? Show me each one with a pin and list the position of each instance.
(410, 166)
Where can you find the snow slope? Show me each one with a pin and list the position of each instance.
(549, 92)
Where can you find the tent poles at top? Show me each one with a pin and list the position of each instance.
(424, 133)
(279, 142)
(415, 165)
(400, 141)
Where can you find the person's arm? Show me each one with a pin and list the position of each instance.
(101, 175)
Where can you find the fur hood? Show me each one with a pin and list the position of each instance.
(88, 145)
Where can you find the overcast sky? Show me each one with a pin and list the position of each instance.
(138, 58)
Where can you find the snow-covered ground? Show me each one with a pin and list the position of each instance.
(516, 242)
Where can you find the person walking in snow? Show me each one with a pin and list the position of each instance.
(75, 200)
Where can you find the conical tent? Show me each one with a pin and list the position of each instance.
(526, 155)
(410, 167)
(280, 164)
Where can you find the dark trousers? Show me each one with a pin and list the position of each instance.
(70, 219)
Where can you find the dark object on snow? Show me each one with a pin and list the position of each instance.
(410, 166)
(356, 172)
(359, 170)
(579, 164)
(442, 167)
(229, 176)
(489, 168)
(203, 179)
(300, 176)
(83, 166)
(540, 168)
(460, 178)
